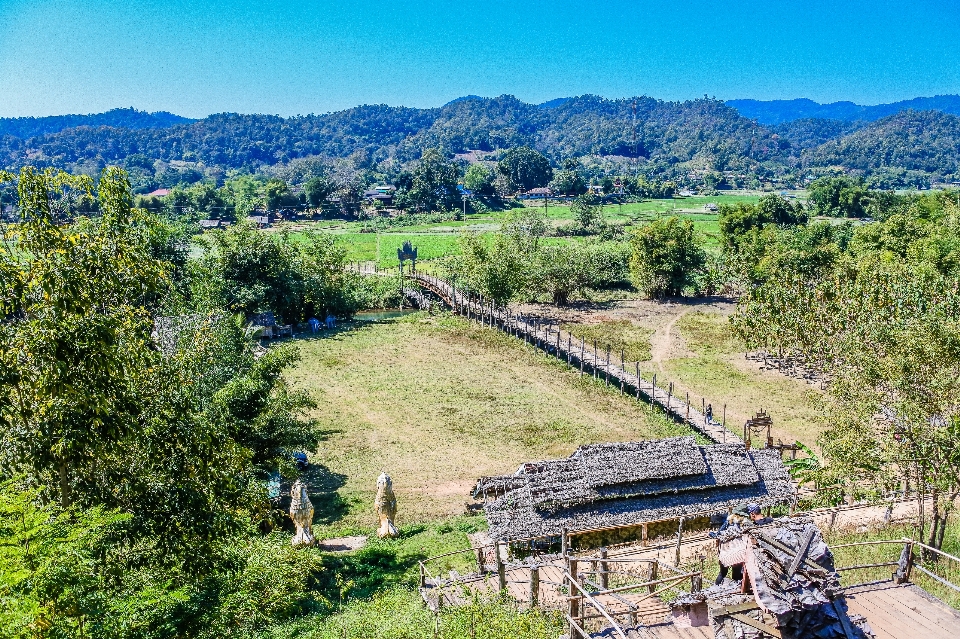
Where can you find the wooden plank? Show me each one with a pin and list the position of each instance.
(759, 625)
(891, 619)
(801, 552)
(912, 603)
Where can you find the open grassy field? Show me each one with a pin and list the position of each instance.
(709, 362)
(690, 342)
(438, 239)
(437, 403)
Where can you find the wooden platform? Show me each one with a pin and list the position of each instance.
(903, 612)
(893, 612)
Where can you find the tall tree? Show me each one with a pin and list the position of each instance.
(525, 169)
(667, 257)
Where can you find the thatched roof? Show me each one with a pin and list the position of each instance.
(621, 484)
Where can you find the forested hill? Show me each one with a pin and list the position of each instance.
(671, 132)
(684, 141)
(124, 118)
(773, 112)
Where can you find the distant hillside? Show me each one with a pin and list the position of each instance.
(125, 118)
(681, 141)
(706, 131)
(926, 141)
(775, 112)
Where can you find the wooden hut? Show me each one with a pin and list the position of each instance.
(619, 492)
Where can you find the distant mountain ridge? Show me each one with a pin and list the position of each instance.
(694, 142)
(774, 112)
(122, 118)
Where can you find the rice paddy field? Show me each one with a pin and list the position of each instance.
(437, 239)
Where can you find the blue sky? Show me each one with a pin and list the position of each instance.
(297, 57)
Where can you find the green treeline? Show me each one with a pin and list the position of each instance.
(874, 310)
(139, 420)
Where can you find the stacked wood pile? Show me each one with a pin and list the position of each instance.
(625, 484)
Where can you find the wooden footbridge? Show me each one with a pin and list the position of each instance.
(577, 353)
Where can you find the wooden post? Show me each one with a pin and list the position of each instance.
(574, 608)
(724, 423)
(582, 348)
(423, 576)
(676, 561)
(569, 338)
(564, 544)
(688, 404)
(696, 582)
(608, 364)
(481, 565)
(604, 568)
(501, 570)
(534, 585)
(652, 576)
(638, 381)
(643, 534)
(669, 395)
(623, 372)
(594, 359)
(557, 351)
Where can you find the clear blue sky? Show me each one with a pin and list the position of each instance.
(290, 57)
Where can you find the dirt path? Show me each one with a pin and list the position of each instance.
(662, 340)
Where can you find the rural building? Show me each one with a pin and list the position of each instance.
(262, 221)
(631, 490)
(382, 193)
(158, 193)
(538, 193)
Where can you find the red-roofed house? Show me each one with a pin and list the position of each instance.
(159, 193)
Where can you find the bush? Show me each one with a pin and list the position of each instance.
(667, 257)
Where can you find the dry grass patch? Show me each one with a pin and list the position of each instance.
(717, 371)
(438, 402)
(620, 335)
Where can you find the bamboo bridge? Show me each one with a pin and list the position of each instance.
(577, 353)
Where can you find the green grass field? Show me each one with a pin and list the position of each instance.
(438, 239)
(437, 403)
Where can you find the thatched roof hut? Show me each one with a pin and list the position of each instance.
(613, 485)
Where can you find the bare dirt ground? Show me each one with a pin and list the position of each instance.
(692, 345)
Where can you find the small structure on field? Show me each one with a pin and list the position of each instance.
(619, 492)
(301, 512)
(386, 505)
(407, 252)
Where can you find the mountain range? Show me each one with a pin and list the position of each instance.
(781, 111)
(778, 141)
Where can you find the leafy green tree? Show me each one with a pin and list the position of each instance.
(667, 257)
(318, 189)
(432, 185)
(69, 362)
(568, 182)
(245, 271)
(839, 196)
(560, 271)
(496, 269)
(479, 178)
(524, 168)
(526, 227)
(277, 194)
(587, 213)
